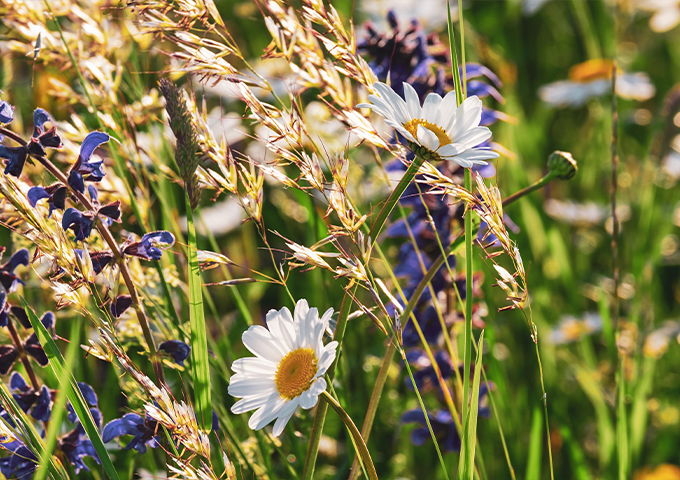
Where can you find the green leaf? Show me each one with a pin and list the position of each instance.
(535, 446)
(466, 466)
(60, 403)
(66, 381)
(199, 339)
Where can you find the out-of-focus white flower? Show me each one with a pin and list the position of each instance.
(592, 79)
(571, 328)
(438, 130)
(288, 368)
(657, 342)
(220, 218)
(431, 14)
(583, 214)
(666, 13)
(529, 7)
(227, 127)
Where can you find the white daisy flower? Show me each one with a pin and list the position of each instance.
(438, 130)
(288, 368)
(592, 79)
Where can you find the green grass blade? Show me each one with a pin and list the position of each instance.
(30, 436)
(65, 378)
(639, 410)
(466, 466)
(199, 340)
(579, 465)
(535, 446)
(621, 424)
(60, 402)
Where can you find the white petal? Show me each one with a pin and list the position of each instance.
(406, 134)
(253, 366)
(412, 102)
(259, 340)
(241, 387)
(384, 108)
(431, 108)
(636, 86)
(427, 139)
(326, 358)
(665, 19)
(447, 111)
(451, 149)
(308, 333)
(266, 413)
(474, 137)
(468, 115)
(326, 317)
(249, 403)
(301, 309)
(281, 328)
(398, 104)
(309, 398)
(473, 157)
(284, 416)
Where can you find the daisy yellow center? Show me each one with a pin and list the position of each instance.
(591, 70)
(296, 372)
(412, 127)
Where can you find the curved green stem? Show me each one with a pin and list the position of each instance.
(322, 409)
(394, 198)
(362, 450)
(527, 190)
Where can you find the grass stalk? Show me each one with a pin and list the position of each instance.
(199, 343)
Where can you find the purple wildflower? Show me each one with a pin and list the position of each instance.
(84, 169)
(179, 351)
(80, 223)
(150, 246)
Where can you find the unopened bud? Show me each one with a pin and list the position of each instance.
(563, 164)
(186, 147)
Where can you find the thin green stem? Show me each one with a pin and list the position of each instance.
(394, 197)
(545, 408)
(322, 409)
(531, 188)
(362, 450)
(467, 358)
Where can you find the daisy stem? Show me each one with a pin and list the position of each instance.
(533, 187)
(394, 197)
(322, 409)
(362, 450)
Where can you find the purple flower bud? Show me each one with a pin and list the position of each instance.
(179, 351)
(55, 195)
(9, 280)
(16, 159)
(80, 223)
(6, 112)
(120, 304)
(482, 90)
(8, 354)
(475, 70)
(111, 211)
